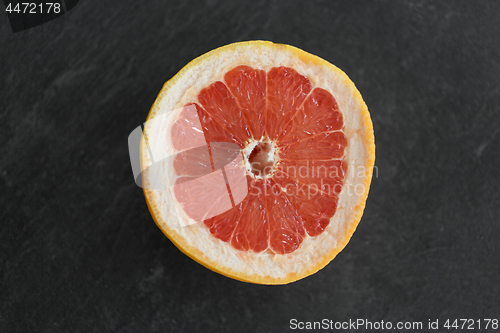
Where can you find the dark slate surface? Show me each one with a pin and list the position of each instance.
(79, 251)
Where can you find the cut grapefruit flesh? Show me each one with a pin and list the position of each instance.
(301, 124)
(307, 153)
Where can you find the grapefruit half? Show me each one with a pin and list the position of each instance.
(301, 148)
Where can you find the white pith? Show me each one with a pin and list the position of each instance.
(246, 153)
(272, 156)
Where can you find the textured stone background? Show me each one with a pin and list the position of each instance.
(79, 251)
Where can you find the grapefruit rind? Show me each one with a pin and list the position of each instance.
(315, 253)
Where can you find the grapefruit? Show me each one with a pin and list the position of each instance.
(268, 154)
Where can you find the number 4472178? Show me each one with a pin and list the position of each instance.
(470, 324)
(33, 8)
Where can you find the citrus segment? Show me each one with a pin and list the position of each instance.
(221, 107)
(286, 90)
(286, 223)
(248, 86)
(203, 197)
(314, 199)
(213, 130)
(319, 114)
(223, 226)
(321, 146)
(193, 162)
(186, 131)
(252, 227)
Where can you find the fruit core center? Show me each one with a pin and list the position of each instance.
(262, 159)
